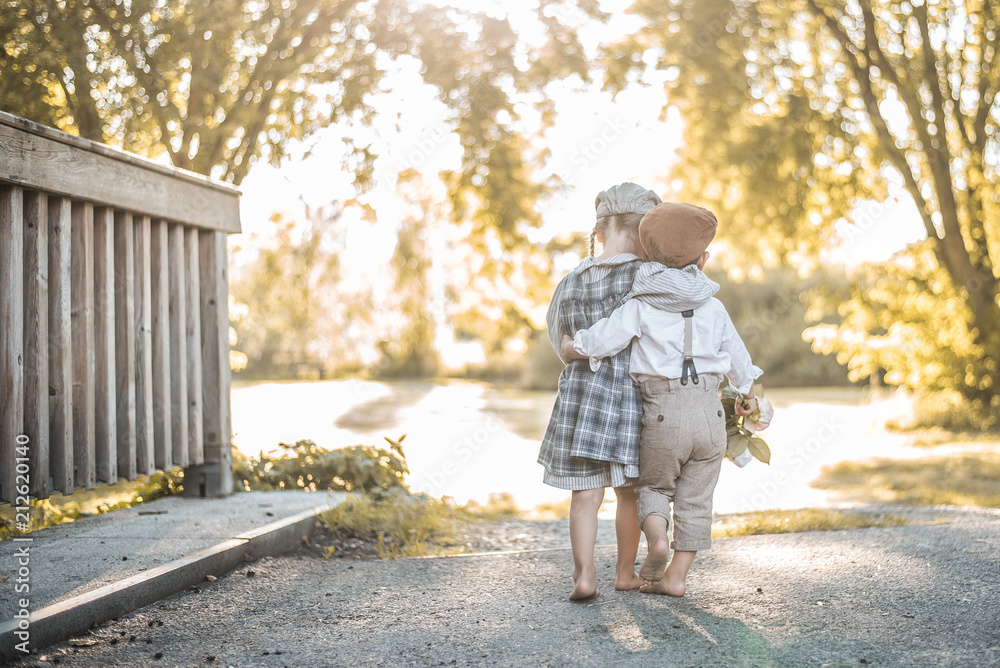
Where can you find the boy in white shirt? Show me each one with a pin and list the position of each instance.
(678, 360)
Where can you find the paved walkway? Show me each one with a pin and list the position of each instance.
(80, 557)
(917, 595)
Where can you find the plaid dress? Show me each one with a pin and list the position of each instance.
(592, 438)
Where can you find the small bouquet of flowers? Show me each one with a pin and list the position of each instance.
(743, 443)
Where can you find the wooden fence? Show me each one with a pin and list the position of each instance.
(114, 324)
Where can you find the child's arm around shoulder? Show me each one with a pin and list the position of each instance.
(606, 337)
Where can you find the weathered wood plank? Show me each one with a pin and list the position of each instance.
(145, 460)
(105, 384)
(215, 355)
(82, 317)
(39, 157)
(36, 338)
(11, 336)
(159, 270)
(178, 346)
(60, 347)
(192, 304)
(125, 342)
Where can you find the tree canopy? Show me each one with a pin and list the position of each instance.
(216, 85)
(798, 111)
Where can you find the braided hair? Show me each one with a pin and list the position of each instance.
(627, 222)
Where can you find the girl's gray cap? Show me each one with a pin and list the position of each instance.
(625, 198)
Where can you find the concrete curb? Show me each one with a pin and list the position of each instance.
(69, 618)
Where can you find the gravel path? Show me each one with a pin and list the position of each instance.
(918, 595)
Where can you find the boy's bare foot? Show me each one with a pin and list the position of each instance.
(583, 591)
(671, 584)
(629, 581)
(586, 586)
(656, 560)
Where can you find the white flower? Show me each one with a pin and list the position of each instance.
(763, 420)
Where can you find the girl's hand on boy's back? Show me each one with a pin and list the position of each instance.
(567, 351)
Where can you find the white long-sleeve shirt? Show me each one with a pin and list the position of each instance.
(658, 348)
(654, 283)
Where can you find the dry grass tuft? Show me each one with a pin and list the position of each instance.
(961, 480)
(404, 525)
(805, 519)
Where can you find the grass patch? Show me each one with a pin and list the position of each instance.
(933, 437)
(795, 521)
(104, 498)
(961, 480)
(398, 524)
(557, 510)
(499, 507)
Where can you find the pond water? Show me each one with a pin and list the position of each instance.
(468, 440)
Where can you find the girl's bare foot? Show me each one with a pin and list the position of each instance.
(586, 585)
(656, 560)
(628, 580)
(672, 584)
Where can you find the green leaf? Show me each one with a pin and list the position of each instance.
(737, 445)
(758, 448)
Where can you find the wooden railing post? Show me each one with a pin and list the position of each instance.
(11, 335)
(163, 445)
(36, 338)
(178, 346)
(192, 304)
(125, 342)
(106, 426)
(82, 318)
(215, 476)
(145, 463)
(60, 348)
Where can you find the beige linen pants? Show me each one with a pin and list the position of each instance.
(681, 449)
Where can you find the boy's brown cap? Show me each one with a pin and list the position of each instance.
(677, 234)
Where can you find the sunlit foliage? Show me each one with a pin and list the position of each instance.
(408, 350)
(216, 85)
(306, 465)
(899, 324)
(770, 314)
(291, 306)
(797, 111)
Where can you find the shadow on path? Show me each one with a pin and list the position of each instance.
(383, 413)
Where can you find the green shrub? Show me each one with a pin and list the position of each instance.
(306, 465)
(906, 322)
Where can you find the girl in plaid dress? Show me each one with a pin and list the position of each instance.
(592, 440)
(593, 434)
